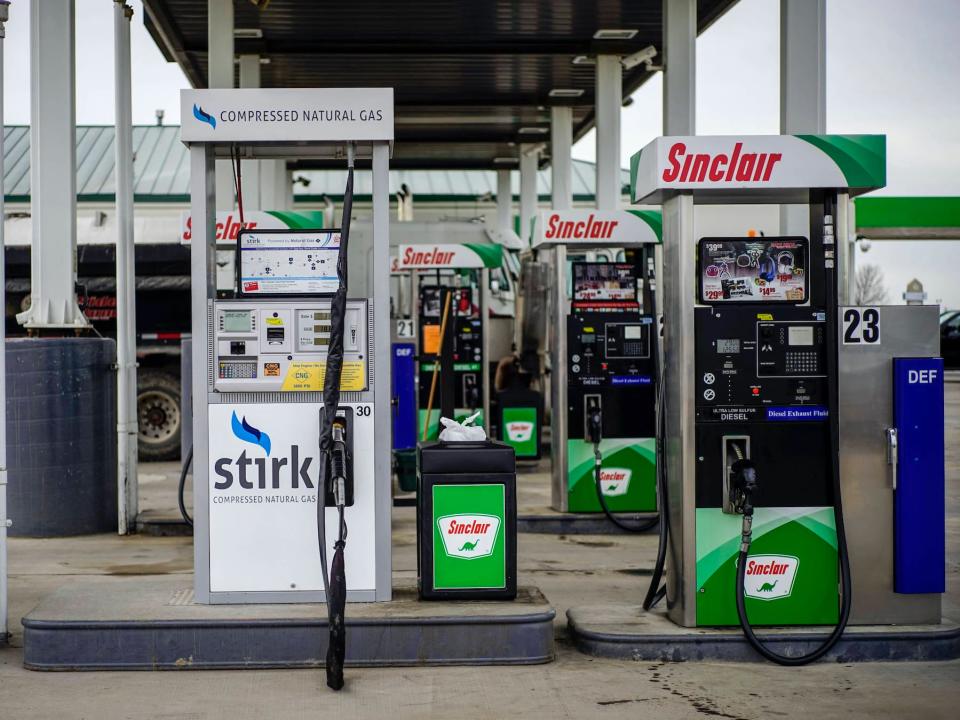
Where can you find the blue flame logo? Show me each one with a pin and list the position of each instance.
(248, 433)
(200, 114)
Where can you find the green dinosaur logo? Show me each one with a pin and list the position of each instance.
(469, 546)
(767, 587)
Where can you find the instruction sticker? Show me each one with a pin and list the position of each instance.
(308, 376)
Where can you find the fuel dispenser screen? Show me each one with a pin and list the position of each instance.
(755, 270)
(287, 262)
(604, 281)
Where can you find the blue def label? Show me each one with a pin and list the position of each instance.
(804, 413)
(631, 380)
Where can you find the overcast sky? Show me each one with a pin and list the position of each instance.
(893, 67)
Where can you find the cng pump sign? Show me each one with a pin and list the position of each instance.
(788, 163)
(791, 574)
(263, 476)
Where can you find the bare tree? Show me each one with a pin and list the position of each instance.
(870, 288)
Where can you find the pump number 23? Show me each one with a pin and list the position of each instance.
(861, 326)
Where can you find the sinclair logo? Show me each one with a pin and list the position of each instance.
(519, 431)
(615, 481)
(433, 256)
(770, 577)
(589, 229)
(469, 536)
(735, 166)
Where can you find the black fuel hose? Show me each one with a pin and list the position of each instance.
(833, 420)
(183, 482)
(642, 527)
(656, 591)
(332, 478)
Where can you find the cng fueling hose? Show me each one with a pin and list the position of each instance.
(844, 560)
(188, 461)
(332, 456)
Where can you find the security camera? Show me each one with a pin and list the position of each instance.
(864, 245)
(641, 56)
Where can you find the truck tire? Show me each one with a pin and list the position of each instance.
(158, 416)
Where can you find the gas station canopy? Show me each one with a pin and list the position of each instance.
(471, 79)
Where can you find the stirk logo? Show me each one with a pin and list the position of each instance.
(469, 536)
(770, 577)
(615, 481)
(248, 433)
(200, 114)
(261, 472)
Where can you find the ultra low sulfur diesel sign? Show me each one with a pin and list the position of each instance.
(757, 162)
(281, 115)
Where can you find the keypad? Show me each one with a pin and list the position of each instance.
(238, 370)
(802, 362)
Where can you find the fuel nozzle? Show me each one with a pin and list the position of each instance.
(593, 420)
(744, 485)
(338, 462)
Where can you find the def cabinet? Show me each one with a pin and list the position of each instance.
(467, 521)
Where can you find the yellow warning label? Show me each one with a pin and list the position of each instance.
(309, 376)
(274, 321)
(764, 316)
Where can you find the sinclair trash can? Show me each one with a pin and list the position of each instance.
(467, 521)
(521, 421)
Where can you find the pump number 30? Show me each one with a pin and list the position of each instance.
(861, 326)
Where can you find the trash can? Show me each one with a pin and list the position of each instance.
(467, 521)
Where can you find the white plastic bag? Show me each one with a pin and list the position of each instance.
(457, 432)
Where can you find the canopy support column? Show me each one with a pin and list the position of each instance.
(561, 144)
(803, 85)
(220, 74)
(609, 98)
(529, 162)
(127, 431)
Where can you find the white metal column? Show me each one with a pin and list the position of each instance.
(4, 13)
(803, 85)
(276, 190)
(561, 163)
(220, 73)
(202, 280)
(127, 490)
(675, 288)
(53, 169)
(529, 160)
(251, 169)
(504, 201)
(609, 98)
(680, 64)
(381, 380)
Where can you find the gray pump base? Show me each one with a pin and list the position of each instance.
(152, 624)
(626, 632)
(565, 523)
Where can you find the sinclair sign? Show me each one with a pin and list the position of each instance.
(434, 256)
(763, 163)
(599, 228)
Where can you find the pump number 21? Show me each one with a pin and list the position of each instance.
(861, 326)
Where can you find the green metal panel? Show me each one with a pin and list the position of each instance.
(907, 212)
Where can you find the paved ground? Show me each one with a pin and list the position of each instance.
(570, 570)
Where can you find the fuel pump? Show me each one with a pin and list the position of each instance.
(464, 373)
(603, 361)
(766, 368)
(612, 371)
